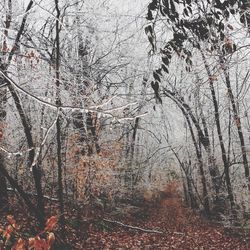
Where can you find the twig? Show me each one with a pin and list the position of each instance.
(133, 227)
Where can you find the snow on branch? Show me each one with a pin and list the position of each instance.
(93, 109)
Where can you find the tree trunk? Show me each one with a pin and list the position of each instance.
(203, 137)
(237, 121)
(3, 183)
(220, 136)
(24, 196)
(3, 188)
(27, 130)
(26, 126)
(201, 170)
(59, 119)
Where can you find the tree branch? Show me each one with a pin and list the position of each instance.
(133, 227)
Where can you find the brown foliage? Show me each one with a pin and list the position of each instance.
(11, 238)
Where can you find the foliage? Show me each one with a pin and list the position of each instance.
(93, 175)
(10, 236)
(192, 23)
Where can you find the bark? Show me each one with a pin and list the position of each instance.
(23, 195)
(37, 175)
(91, 128)
(189, 180)
(211, 160)
(59, 119)
(3, 183)
(201, 169)
(3, 188)
(25, 123)
(203, 136)
(135, 129)
(237, 121)
(220, 136)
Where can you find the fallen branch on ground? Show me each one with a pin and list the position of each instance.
(133, 227)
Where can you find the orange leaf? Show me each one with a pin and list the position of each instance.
(10, 219)
(20, 245)
(31, 242)
(40, 244)
(7, 233)
(51, 222)
(51, 238)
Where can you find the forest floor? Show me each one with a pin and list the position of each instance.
(180, 228)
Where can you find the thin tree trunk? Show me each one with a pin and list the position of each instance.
(211, 160)
(92, 133)
(23, 195)
(201, 169)
(3, 185)
(237, 121)
(189, 180)
(203, 137)
(4, 203)
(220, 136)
(3, 92)
(200, 163)
(27, 129)
(59, 119)
(35, 169)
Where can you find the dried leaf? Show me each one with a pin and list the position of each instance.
(20, 245)
(51, 223)
(51, 238)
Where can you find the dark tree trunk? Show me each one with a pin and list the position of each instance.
(26, 126)
(27, 130)
(3, 183)
(203, 137)
(3, 188)
(201, 170)
(193, 202)
(91, 128)
(59, 119)
(237, 121)
(24, 196)
(219, 132)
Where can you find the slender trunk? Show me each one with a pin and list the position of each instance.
(229, 135)
(220, 136)
(184, 189)
(3, 100)
(4, 203)
(200, 162)
(35, 169)
(3, 185)
(59, 119)
(211, 160)
(189, 191)
(203, 137)
(237, 122)
(22, 193)
(193, 202)
(92, 131)
(132, 150)
(134, 176)
(201, 169)
(26, 126)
